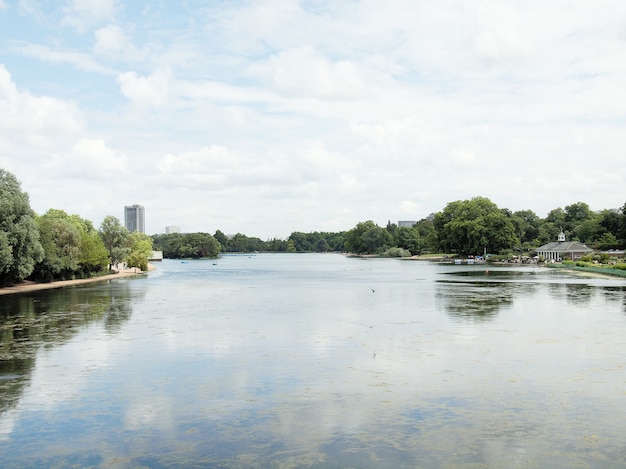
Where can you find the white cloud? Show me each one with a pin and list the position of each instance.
(303, 72)
(110, 40)
(151, 91)
(113, 43)
(83, 14)
(407, 130)
(501, 32)
(79, 60)
(31, 8)
(89, 158)
(205, 159)
(359, 106)
(408, 208)
(463, 156)
(34, 120)
(318, 162)
(209, 168)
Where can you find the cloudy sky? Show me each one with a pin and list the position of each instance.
(271, 116)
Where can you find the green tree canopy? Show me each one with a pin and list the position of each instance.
(116, 239)
(428, 237)
(140, 251)
(72, 247)
(557, 217)
(221, 238)
(187, 245)
(621, 237)
(367, 238)
(94, 256)
(576, 213)
(526, 223)
(60, 239)
(408, 238)
(20, 248)
(472, 226)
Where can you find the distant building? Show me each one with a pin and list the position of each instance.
(406, 223)
(172, 229)
(135, 218)
(562, 249)
(156, 256)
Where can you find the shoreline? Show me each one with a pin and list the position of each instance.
(30, 286)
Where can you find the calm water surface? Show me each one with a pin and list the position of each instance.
(317, 360)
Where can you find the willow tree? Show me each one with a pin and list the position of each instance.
(20, 248)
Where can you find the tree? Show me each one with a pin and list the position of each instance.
(607, 241)
(277, 245)
(221, 238)
(94, 256)
(243, 243)
(576, 213)
(526, 224)
(556, 217)
(321, 245)
(367, 238)
(20, 248)
(60, 240)
(312, 242)
(301, 241)
(621, 238)
(610, 220)
(428, 236)
(588, 231)
(472, 226)
(203, 245)
(93, 253)
(72, 247)
(194, 245)
(115, 238)
(140, 251)
(408, 238)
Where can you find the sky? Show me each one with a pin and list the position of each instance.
(272, 116)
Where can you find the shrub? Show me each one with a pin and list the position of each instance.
(397, 252)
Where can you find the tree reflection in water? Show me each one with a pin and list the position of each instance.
(479, 295)
(615, 294)
(31, 321)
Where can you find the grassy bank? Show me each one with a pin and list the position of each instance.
(612, 270)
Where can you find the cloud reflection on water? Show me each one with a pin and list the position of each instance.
(279, 367)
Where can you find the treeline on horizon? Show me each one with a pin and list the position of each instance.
(463, 227)
(58, 246)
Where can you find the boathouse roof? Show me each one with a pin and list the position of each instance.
(564, 246)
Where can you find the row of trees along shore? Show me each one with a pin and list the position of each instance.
(58, 246)
(465, 227)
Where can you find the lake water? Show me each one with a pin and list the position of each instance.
(317, 360)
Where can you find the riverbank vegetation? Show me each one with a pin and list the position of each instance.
(613, 269)
(58, 246)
